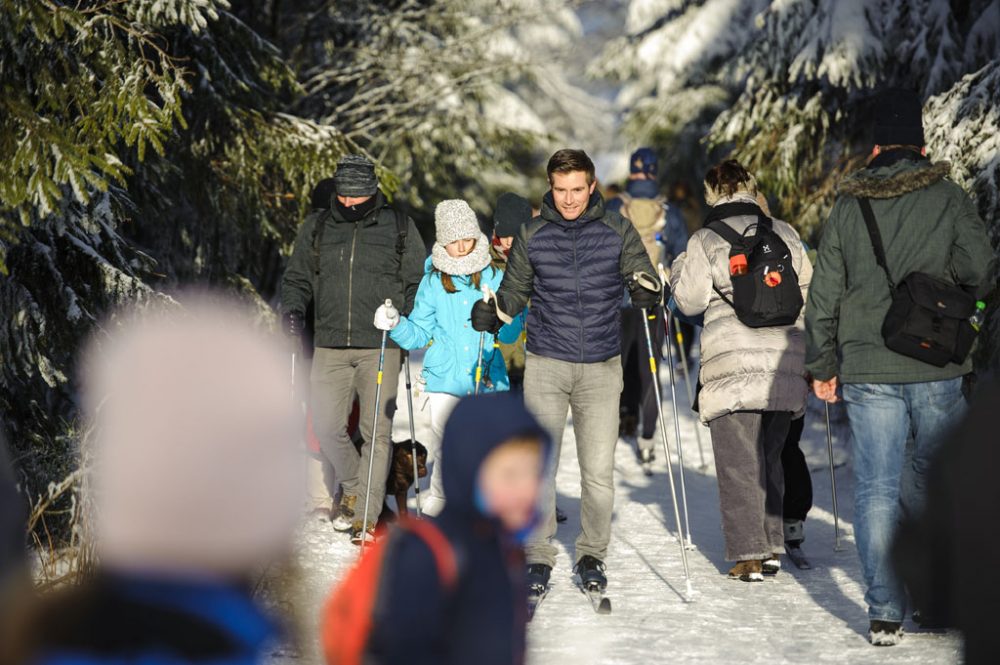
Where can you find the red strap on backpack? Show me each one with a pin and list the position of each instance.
(348, 616)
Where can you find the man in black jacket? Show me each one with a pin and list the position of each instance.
(347, 261)
(573, 262)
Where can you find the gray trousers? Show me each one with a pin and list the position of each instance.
(337, 375)
(747, 447)
(591, 390)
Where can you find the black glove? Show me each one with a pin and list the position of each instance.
(294, 323)
(484, 317)
(643, 298)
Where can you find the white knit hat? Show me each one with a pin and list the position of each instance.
(193, 472)
(455, 220)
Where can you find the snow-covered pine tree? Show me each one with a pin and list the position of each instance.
(963, 127)
(784, 86)
(445, 94)
(90, 218)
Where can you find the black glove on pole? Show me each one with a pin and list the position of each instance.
(643, 298)
(484, 317)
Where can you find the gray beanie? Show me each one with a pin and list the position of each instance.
(455, 220)
(355, 176)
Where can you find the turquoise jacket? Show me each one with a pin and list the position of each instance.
(442, 317)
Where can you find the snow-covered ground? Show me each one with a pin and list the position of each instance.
(815, 616)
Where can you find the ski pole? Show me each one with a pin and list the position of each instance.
(482, 342)
(413, 435)
(666, 451)
(833, 481)
(684, 364)
(372, 443)
(677, 437)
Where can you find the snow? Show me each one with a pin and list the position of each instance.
(815, 616)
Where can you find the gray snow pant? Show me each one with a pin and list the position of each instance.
(551, 388)
(747, 447)
(337, 375)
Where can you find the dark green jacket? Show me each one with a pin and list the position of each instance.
(928, 224)
(359, 268)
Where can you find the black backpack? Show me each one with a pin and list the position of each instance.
(768, 293)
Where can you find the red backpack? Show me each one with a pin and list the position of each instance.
(348, 617)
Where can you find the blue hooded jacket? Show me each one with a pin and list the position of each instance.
(450, 362)
(483, 619)
(126, 619)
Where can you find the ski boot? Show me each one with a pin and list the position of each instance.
(591, 572)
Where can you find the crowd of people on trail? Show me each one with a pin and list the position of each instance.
(563, 313)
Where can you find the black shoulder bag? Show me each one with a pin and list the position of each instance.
(929, 317)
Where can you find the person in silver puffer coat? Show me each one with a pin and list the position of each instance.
(753, 380)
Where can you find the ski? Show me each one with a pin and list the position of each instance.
(598, 600)
(798, 558)
(535, 598)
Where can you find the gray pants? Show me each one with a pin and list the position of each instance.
(337, 375)
(747, 447)
(551, 388)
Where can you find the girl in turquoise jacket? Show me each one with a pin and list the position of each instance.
(456, 273)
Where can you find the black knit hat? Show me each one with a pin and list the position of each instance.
(898, 119)
(355, 176)
(512, 211)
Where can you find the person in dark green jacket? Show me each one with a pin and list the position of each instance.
(348, 260)
(897, 406)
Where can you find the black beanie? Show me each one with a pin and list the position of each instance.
(355, 177)
(512, 211)
(898, 118)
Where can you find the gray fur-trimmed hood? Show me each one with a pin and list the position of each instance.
(888, 182)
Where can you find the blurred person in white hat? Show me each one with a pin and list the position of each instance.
(196, 486)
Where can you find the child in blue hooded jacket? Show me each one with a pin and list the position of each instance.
(458, 270)
(495, 455)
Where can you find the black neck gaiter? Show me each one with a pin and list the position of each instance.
(356, 212)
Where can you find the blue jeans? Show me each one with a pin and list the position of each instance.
(897, 429)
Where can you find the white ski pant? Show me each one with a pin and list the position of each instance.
(441, 404)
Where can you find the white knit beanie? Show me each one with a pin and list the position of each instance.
(455, 220)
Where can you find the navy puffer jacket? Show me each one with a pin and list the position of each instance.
(573, 273)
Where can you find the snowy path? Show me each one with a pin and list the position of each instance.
(815, 616)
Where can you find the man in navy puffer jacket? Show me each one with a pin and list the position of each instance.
(572, 262)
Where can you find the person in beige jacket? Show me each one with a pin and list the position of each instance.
(753, 379)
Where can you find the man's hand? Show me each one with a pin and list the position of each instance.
(826, 390)
(484, 317)
(386, 317)
(293, 323)
(644, 291)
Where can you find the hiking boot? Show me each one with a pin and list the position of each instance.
(885, 633)
(771, 565)
(356, 532)
(538, 577)
(628, 424)
(747, 571)
(591, 572)
(928, 621)
(794, 535)
(345, 513)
